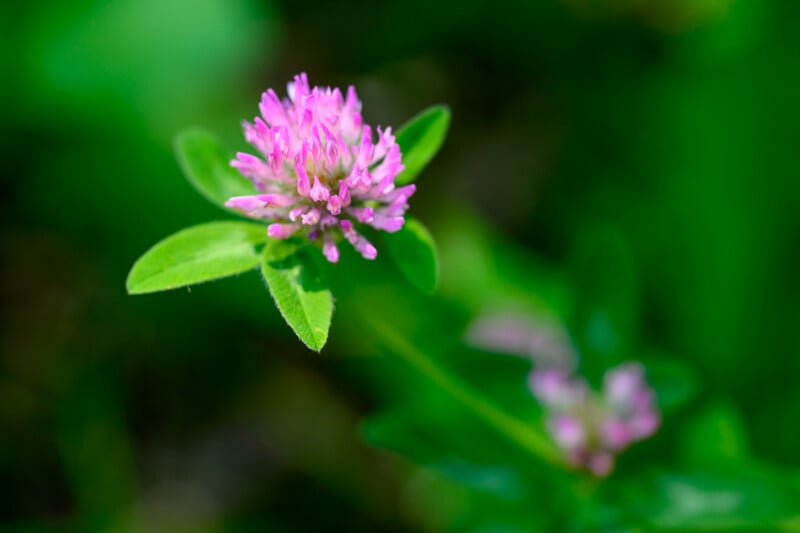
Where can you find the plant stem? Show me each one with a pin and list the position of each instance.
(508, 426)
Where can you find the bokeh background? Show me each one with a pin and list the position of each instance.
(667, 129)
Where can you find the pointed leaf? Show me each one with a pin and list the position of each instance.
(414, 252)
(420, 139)
(197, 254)
(206, 164)
(297, 283)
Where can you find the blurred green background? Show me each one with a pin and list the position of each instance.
(644, 155)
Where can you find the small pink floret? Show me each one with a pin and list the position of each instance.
(282, 231)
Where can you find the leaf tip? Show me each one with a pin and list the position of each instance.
(130, 284)
(136, 289)
(315, 345)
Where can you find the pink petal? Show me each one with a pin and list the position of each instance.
(330, 250)
(388, 224)
(272, 109)
(365, 215)
(282, 231)
(319, 193)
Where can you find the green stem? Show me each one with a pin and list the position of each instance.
(513, 429)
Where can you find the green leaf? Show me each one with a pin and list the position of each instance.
(206, 164)
(438, 444)
(420, 139)
(715, 437)
(197, 254)
(674, 382)
(300, 289)
(414, 252)
(749, 500)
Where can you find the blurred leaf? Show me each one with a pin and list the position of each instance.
(593, 515)
(444, 437)
(300, 289)
(704, 501)
(414, 252)
(440, 445)
(439, 503)
(716, 436)
(420, 139)
(451, 423)
(674, 382)
(206, 164)
(197, 254)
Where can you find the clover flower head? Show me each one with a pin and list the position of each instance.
(592, 428)
(319, 171)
